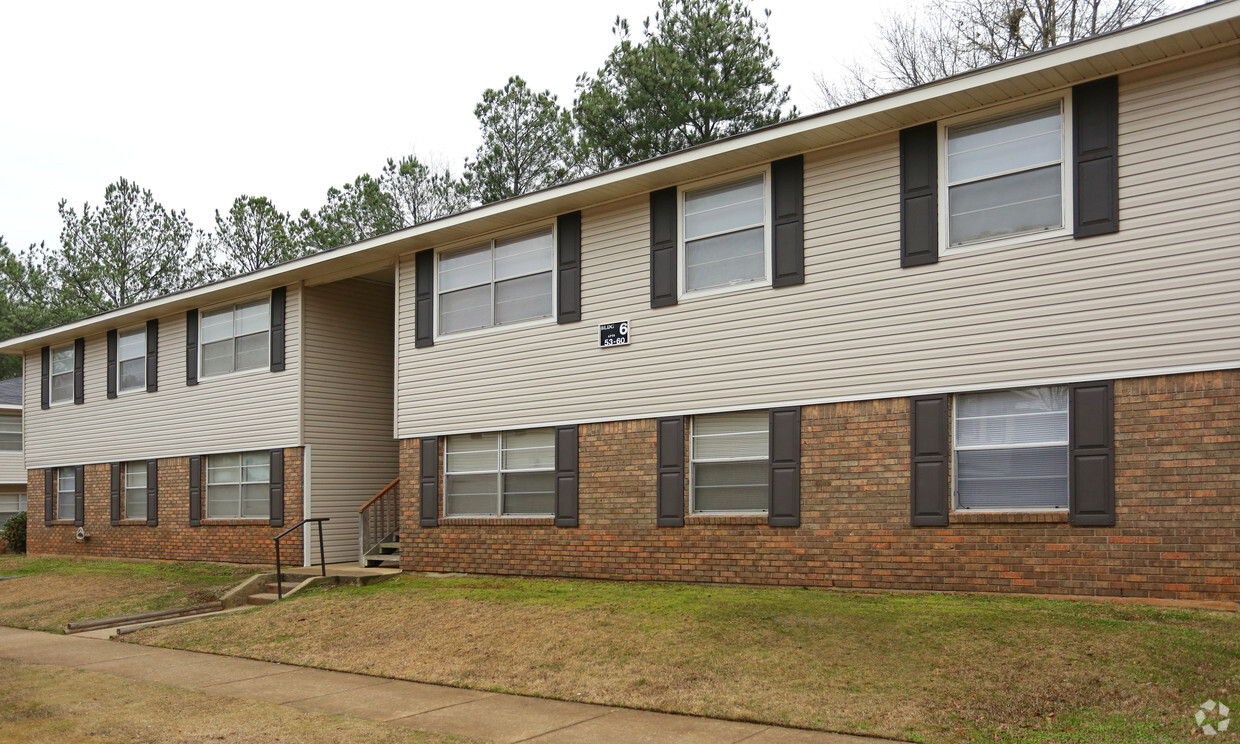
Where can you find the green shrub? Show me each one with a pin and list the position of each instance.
(14, 533)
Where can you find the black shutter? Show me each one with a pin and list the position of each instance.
(788, 232)
(117, 476)
(566, 476)
(49, 496)
(152, 356)
(277, 488)
(191, 347)
(79, 495)
(112, 363)
(1095, 147)
(919, 198)
(568, 261)
(195, 491)
(152, 493)
(671, 463)
(784, 509)
(664, 286)
(931, 445)
(1091, 444)
(428, 483)
(279, 299)
(424, 298)
(79, 371)
(46, 379)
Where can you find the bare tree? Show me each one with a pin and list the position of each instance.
(952, 36)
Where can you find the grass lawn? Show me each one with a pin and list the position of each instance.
(49, 592)
(50, 705)
(925, 667)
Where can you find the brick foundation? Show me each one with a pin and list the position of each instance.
(233, 541)
(1177, 473)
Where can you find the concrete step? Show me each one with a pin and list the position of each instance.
(287, 586)
(263, 598)
(390, 546)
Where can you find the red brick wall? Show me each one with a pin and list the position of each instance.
(233, 541)
(1177, 496)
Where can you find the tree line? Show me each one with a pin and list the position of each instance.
(697, 71)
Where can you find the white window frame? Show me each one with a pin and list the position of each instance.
(202, 313)
(765, 280)
(52, 375)
(60, 516)
(8, 419)
(241, 484)
(694, 460)
(138, 466)
(1066, 185)
(499, 473)
(120, 389)
(513, 233)
(955, 469)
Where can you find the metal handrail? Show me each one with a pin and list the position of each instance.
(322, 560)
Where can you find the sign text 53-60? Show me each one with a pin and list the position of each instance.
(613, 334)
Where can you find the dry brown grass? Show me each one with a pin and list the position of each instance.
(48, 593)
(926, 667)
(51, 705)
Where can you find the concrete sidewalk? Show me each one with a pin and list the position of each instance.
(486, 716)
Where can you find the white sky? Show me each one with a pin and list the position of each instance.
(202, 102)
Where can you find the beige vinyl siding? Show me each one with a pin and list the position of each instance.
(255, 409)
(1162, 293)
(348, 406)
(12, 464)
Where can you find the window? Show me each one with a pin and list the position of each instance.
(235, 338)
(238, 486)
(66, 488)
(135, 490)
(509, 473)
(131, 359)
(730, 456)
(10, 504)
(10, 433)
(505, 281)
(1011, 449)
(725, 234)
(1006, 175)
(63, 360)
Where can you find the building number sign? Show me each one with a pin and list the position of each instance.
(613, 334)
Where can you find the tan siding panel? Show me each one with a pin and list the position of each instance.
(348, 406)
(250, 410)
(1162, 293)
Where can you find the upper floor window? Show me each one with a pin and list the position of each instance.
(235, 337)
(63, 361)
(1005, 176)
(66, 490)
(1011, 449)
(730, 454)
(725, 236)
(509, 473)
(10, 433)
(131, 359)
(238, 486)
(508, 280)
(135, 490)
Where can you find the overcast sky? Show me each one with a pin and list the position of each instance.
(202, 102)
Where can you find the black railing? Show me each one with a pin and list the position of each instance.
(322, 561)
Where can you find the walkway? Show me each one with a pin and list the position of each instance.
(487, 716)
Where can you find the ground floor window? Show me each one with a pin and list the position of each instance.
(135, 490)
(731, 468)
(10, 504)
(1011, 449)
(66, 489)
(238, 486)
(509, 473)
